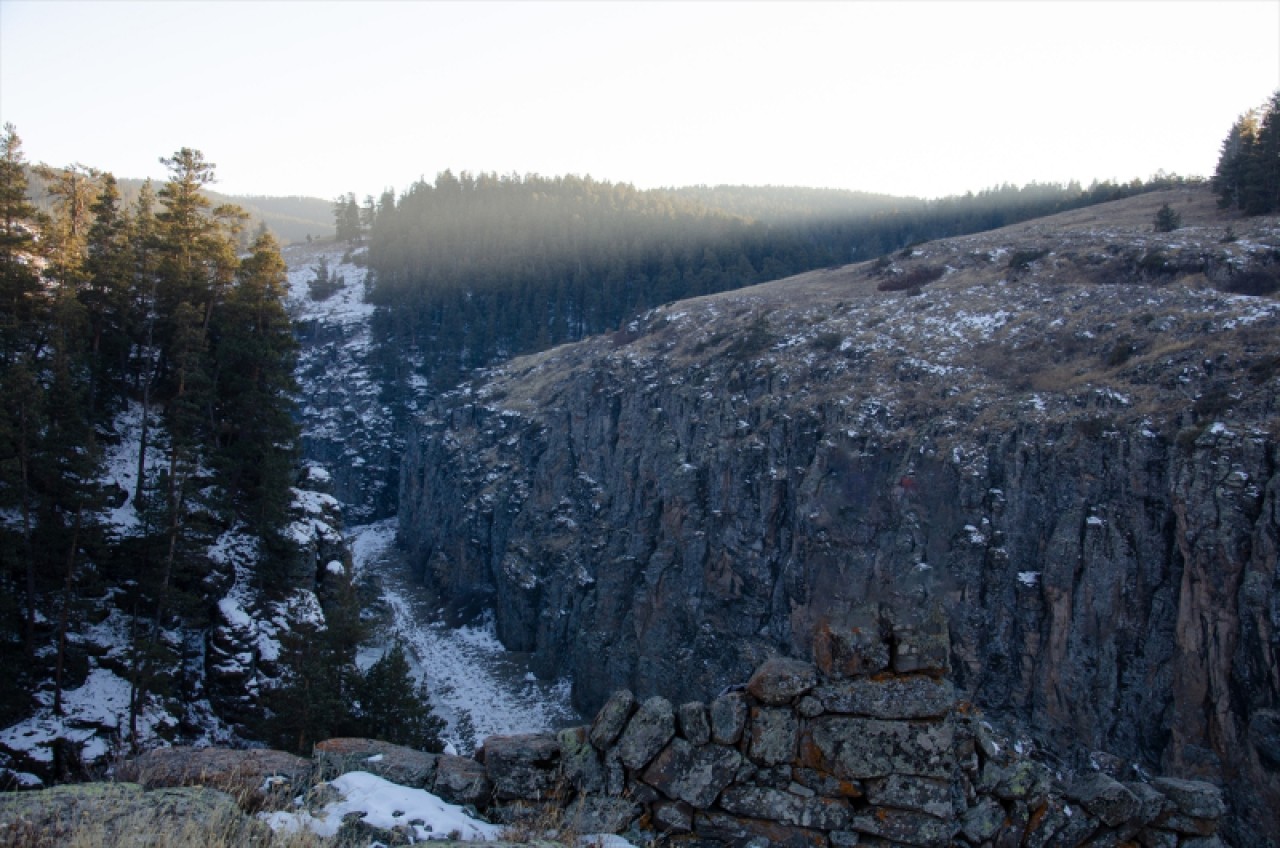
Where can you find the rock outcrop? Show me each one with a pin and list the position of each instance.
(1067, 444)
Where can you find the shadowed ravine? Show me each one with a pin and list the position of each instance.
(478, 687)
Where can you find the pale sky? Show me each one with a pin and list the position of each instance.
(918, 98)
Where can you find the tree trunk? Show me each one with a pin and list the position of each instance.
(65, 615)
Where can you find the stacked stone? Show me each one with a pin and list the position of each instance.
(867, 746)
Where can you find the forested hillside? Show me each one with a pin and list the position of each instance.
(474, 268)
(166, 570)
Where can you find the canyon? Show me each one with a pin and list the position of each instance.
(1057, 440)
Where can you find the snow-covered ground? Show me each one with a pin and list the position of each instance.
(388, 805)
(478, 687)
(384, 804)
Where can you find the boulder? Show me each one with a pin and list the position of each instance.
(906, 827)
(612, 718)
(695, 775)
(852, 648)
(734, 830)
(461, 780)
(922, 794)
(728, 718)
(1193, 798)
(522, 766)
(647, 732)
(774, 733)
(858, 748)
(255, 778)
(396, 763)
(1104, 797)
(895, 698)
(594, 814)
(782, 806)
(779, 681)
(982, 821)
(580, 762)
(693, 723)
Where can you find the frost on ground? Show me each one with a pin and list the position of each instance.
(478, 687)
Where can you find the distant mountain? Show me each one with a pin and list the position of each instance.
(291, 219)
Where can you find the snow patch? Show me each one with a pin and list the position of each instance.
(386, 805)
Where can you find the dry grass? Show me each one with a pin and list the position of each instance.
(117, 821)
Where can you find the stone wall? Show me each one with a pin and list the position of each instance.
(871, 746)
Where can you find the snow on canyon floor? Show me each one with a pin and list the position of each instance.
(478, 687)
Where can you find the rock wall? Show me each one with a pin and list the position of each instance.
(871, 747)
(1114, 593)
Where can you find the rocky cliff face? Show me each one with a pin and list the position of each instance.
(347, 425)
(1062, 434)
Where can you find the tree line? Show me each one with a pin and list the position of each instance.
(1247, 177)
(472, 268)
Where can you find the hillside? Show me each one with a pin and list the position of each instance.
(1061, 433)
(291, 219)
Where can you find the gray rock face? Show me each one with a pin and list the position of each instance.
(1079, 469)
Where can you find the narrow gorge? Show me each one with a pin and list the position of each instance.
(1059, 437)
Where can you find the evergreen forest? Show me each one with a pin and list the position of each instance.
(1248, 174)
(154, 330)
(473, 268)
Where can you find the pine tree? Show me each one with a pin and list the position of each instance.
(74, 190)
(1230, 177)
(312, 703)
(254, 356)
(23, 321)
(1248, 173)
(346, 218)
(23, 300)
(106, 297)
(1167, 219)
(1262, 196)
(393, 708)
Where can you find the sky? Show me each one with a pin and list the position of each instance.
(911, 98)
